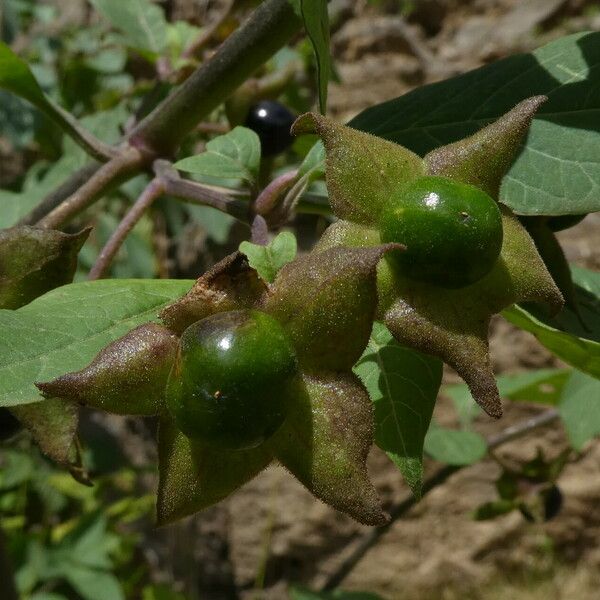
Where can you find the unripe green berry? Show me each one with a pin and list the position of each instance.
(231, 378)
(452, 231)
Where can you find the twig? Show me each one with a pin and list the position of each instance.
(7, 581)
(269, 27)
(152, 191)
(366, 542)
(117, 170)
(193, 50)
(61, 193)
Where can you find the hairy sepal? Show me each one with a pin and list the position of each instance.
(325, 442)
(128, 377)
(453, 323)
(230, 285)
(362, 170)
(194, 476)
(326, 301)
(484, 158)
(34, 261)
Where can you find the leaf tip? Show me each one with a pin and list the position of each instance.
(306, 123)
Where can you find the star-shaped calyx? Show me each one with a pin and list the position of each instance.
(326, 304)
(363, 172)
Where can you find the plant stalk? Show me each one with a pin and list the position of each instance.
(269, 28)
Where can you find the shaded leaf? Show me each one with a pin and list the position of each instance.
(454, 447)
(491, 510)
(235, 155)
(34, 261)
(580, 409)
(128, 377)
(53, 426)
(403, 387)
(193, 476)
(554, 173)
(231, 284)
(64, 329)
(325, 442)
(142, 22)
(16, 77)
(268, 260)
(362, 171)
(326, 302)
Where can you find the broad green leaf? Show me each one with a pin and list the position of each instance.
(161, 592)
(313, 164)
(454, 447)
(216, 224)
(235, 155)
(403, 385)
(63, 330)
(268, 260)
(316, 22)
(573, 339)
(554, 173)
(13, 206)
(92, 584)
(142, 22)
(543, 386)
(580, 408)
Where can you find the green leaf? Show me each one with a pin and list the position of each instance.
(13, 206)
(491, 510)
(316, 22)
(268, 260)
(16, 77)
(403, 385)
(313, 164)
(161, 592)
(554, 173)
(63, 330)
(454, 447)
(574, 339)
(300, 593)
(142, 22)
(235, 155)
(34, 261)
(580, 409)
(92, 584)
(543, 386)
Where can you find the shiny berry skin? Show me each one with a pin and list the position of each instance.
(272, 122)
(452, 231)
(229, 384)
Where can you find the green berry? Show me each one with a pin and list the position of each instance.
(229, 383)
(452, 231)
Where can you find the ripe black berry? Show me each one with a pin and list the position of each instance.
(272, 122)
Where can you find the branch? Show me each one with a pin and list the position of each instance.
(119, 169)
(269, 27)
(365, 543)
(153, 191)
(61, 193)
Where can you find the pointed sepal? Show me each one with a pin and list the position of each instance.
(362, 170)
(194, 476)
(230, 285)
(53, 426)
(326, 301)
(34, 261)
(325, 442)
(484, 158)
(453, 324)
(128, 377)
